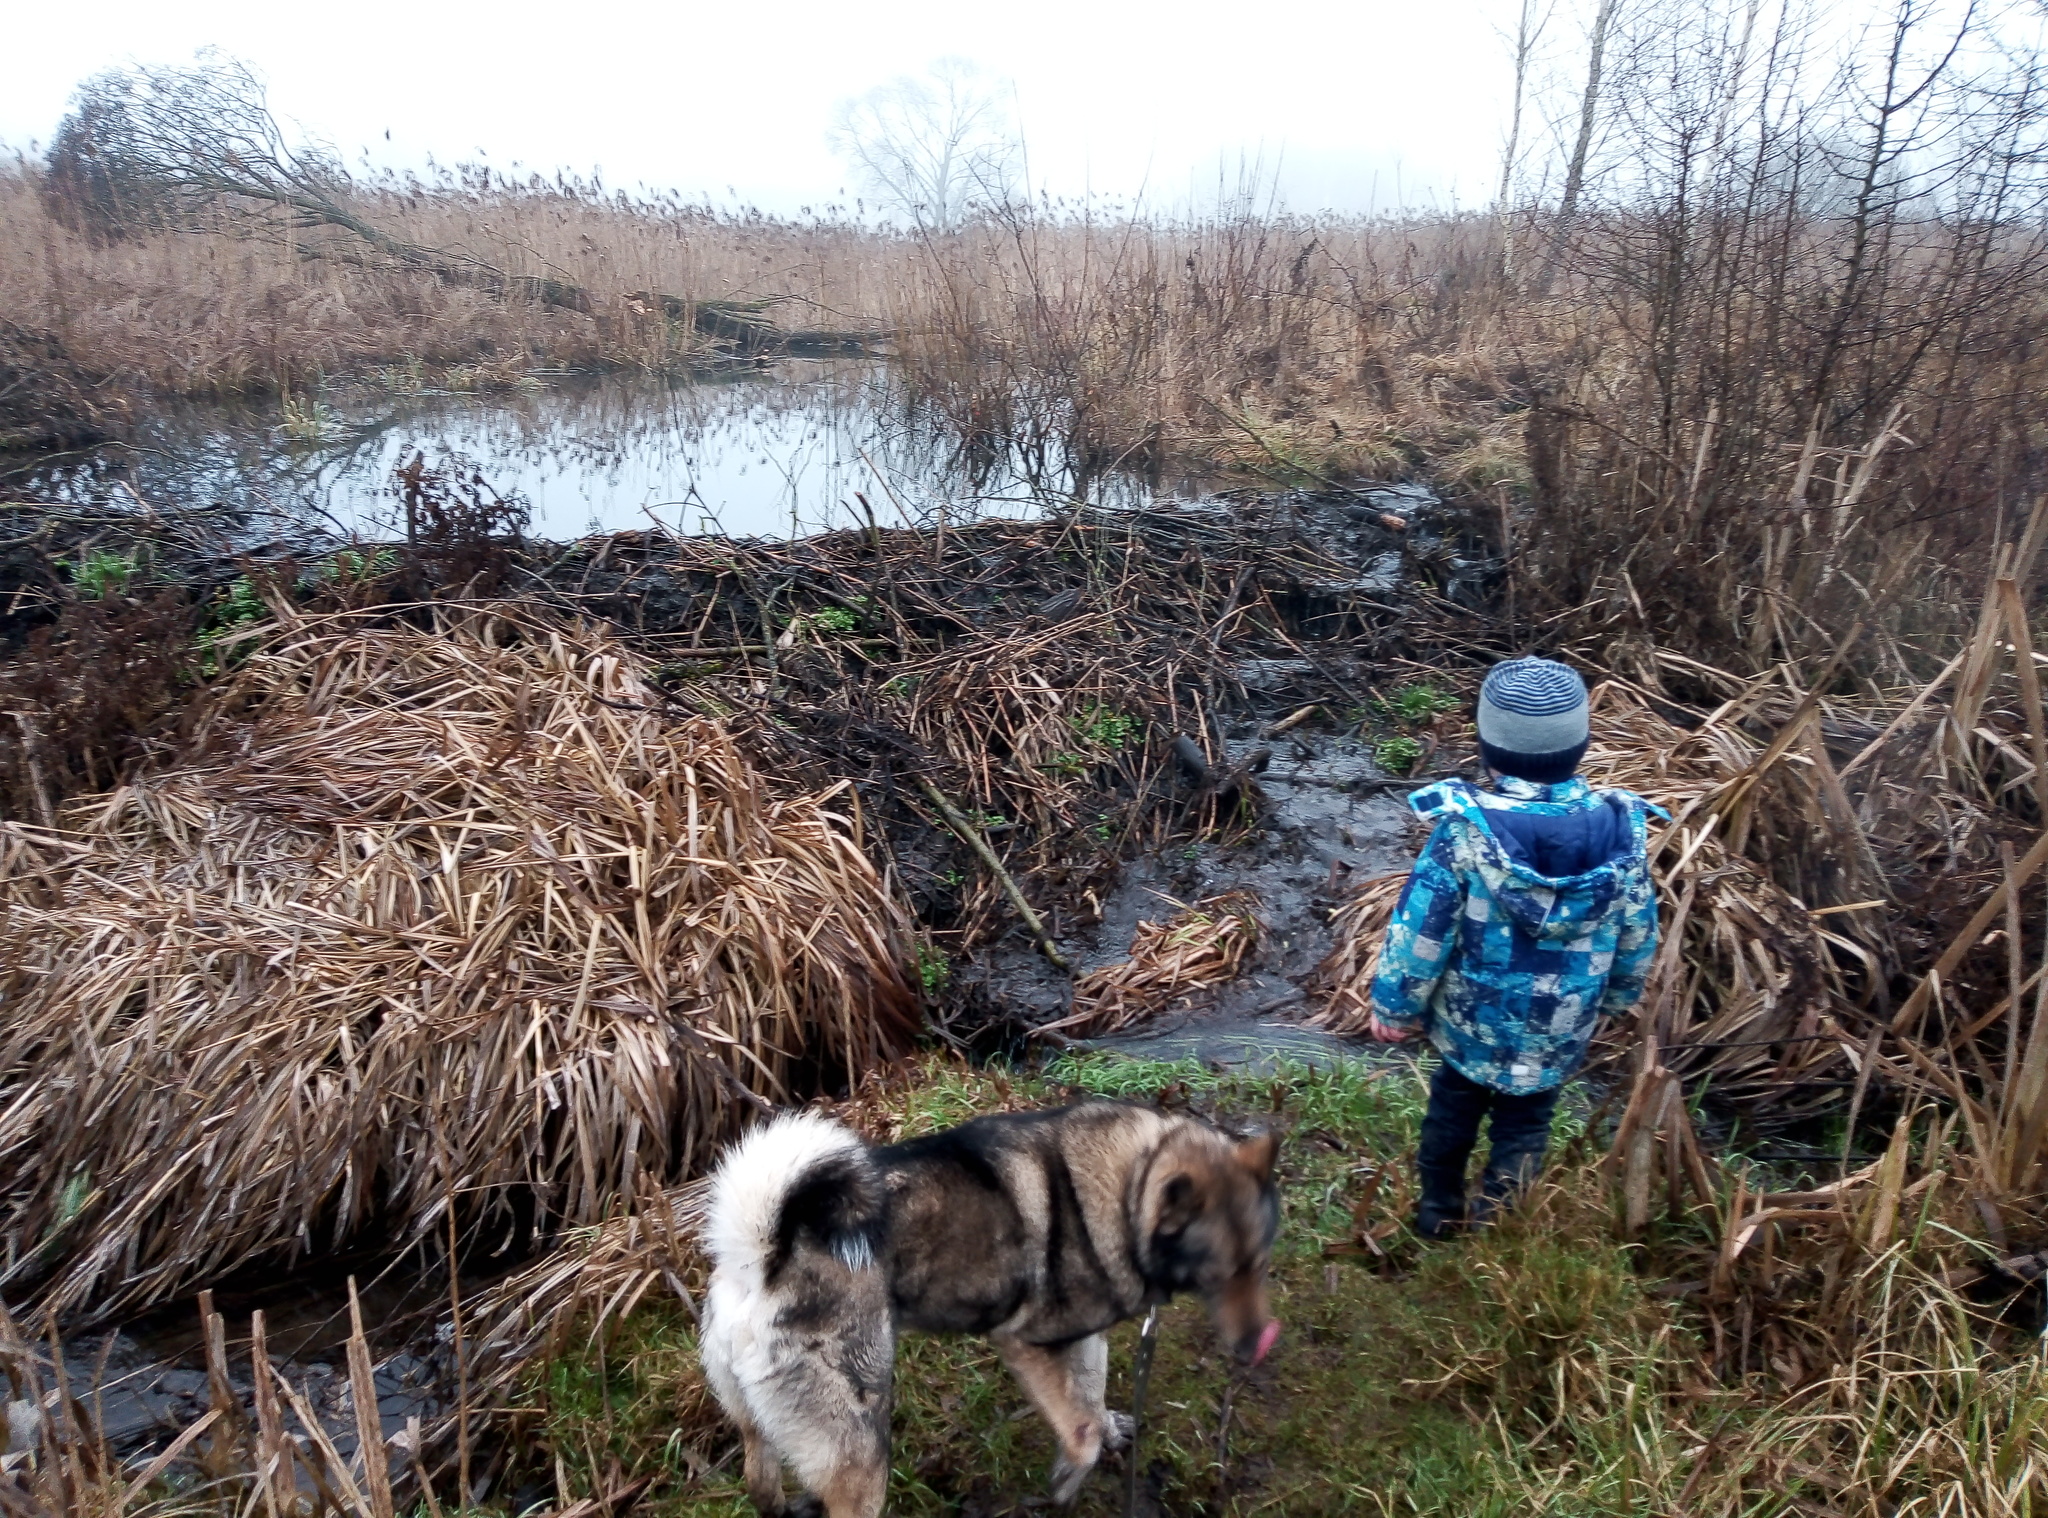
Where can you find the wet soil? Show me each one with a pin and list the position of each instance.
(1325, 817)
(146, 1381)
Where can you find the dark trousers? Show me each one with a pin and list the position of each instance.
(1518, 1133)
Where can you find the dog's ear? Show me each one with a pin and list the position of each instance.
(1178, 1204)
(1257, 1153)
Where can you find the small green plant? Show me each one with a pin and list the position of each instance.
(900, 688)
(1415, 704)
(72, 1199)
(103, 573)
(934, 969)
(836, 620)
(239, 605)
(305, 419)
(347, 566)
(1107, 728)
(1396, 755)
(406, 378)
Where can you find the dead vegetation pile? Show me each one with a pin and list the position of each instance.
(421, 918)
(1034, 674)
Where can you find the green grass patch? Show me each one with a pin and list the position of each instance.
(1525, 1369)
(934, 969)
(101, 573)
(1106, 728)
(234, 609)
(1418, 703)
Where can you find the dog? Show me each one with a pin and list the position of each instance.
(1039, 1230)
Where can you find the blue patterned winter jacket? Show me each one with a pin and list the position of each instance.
(1529, 914)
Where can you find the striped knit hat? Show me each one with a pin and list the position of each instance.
(1533, 720)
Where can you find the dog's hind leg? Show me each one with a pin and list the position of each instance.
(763, 1464)
(825, 1403)
(856, 1489)
(763, 1471)
(1067, 1387)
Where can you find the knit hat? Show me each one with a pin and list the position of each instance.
(1533, 720)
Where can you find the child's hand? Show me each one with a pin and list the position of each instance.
(1391, 1035)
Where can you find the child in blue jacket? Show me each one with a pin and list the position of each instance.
(1528, 916)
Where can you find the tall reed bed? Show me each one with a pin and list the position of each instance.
(235, 305)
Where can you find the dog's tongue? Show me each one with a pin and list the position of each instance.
(1267, 1335)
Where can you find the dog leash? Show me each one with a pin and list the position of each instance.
(1141, 1378)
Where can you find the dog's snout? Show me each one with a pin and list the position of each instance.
(1256, 1342)
(1246, 1324)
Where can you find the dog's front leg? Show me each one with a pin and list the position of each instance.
(1088, 1366)
(1067, 1387)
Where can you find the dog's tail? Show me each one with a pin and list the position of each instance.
(799, 1182)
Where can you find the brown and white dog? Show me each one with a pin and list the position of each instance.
(1040, 1230)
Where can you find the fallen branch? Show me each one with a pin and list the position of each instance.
(970, 835)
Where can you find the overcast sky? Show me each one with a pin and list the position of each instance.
(1361, 105)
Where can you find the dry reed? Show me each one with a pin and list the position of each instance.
(1742, 979)
(420, 918)
(221, 311)
(1199, 946)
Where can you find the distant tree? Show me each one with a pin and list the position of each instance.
(1590, 101)
(1592, 110)
(933, 148)
(170, 146)
(185, 147)
(1529, 25)
(89, 179)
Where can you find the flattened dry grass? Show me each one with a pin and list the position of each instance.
(1199, 946)
(421, 917)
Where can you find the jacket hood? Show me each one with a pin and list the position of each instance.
(1554, 873)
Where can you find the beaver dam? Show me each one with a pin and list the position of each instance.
(448, 902)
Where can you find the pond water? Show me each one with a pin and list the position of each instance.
(763, 452)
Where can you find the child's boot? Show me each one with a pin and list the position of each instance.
(1442, 1210)
(1515, 1160)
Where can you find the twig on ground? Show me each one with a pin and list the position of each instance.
(970, 835)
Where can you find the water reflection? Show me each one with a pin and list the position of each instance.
(768, 453)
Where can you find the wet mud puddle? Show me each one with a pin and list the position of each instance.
(1328, 818)
(146, 1382)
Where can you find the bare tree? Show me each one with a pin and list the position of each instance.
(933, 148)
(198, 147)
(1589, 109)
(1529, 25)
(177, 146)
